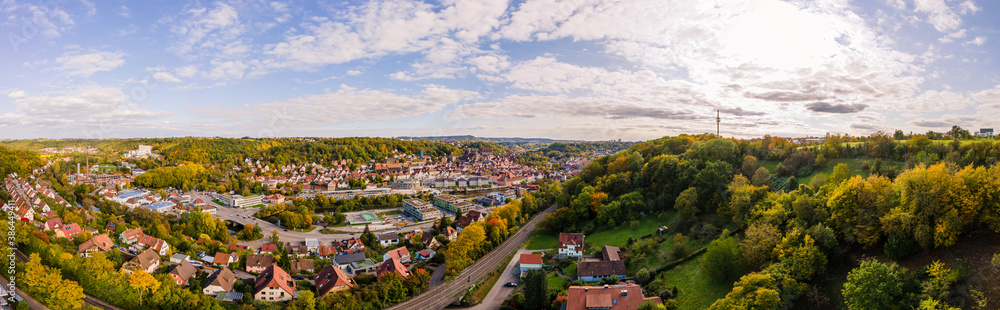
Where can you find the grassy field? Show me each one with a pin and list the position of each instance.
(308, 229)
(695, 291)
(618, 236)
(570, 271)
(540, 241)
(394, 212)
(557, 283)
(770, 165)
(855, 166)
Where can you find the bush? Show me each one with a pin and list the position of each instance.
(722, 261)
(899, 245)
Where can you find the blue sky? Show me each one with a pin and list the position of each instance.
(586, 69)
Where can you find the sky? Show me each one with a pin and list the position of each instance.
(576, 69)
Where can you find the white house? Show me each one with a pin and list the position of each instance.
(570, 244)
(388, 239)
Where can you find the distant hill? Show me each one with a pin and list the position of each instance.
(474, 138)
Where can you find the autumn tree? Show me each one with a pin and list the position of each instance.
(760, 240)
(142, 282)
(874, 285)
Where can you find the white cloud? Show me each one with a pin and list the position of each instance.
(17, 94)
(89, 111)
(347, 104)
(952, 36)
(939, 14)
(978, 41)
(968, 7)
(50, 19)
(216, 30)
(85, 65)
(124, 11)
(166, 77)
(227, 69)
(376, 29)
(353, 72)
(186, 71)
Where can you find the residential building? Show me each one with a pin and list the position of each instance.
(274, 284)
(131, 236)
(388, 239)
(425, 254)
(312, 244)
(392, 266)
(429, 241)
(54, 224)
(256, 263)
(450, 233)
(268, 248)
(100, 242)
(71, 231)
(354, 263)
(178, 258)
(331, 280)
(420, 209)
(400, 253)
(224, 259)
(220, 282)
(528, 262)
(610, 297)
(595, 270)
(302, 265)
(157, 244)
(182, 273)
(570, 244)
(985, 133)
(146, 261)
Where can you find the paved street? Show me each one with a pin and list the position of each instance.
(442, 295)
(499, 292)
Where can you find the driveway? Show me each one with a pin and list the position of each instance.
(499, 292)
(438, 275)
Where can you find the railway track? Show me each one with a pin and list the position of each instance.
(90, 300)
(442, 295)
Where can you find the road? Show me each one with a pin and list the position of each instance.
(438, 275)
(32, 303)
(91, 300)
(499, 292)
(442, 295)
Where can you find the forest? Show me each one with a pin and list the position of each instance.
(775, 238)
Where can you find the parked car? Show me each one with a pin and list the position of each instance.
(510, 284)
(434, 264)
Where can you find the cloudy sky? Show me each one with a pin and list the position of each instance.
(578, 69)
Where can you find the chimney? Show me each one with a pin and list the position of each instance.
(624, 293)
(605, 286)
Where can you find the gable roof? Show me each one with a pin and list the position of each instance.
(223, 278)
(298, 265)
(594, 268)
(71, 230)
(566, 239)
(259, 260)
(268, 247)
(146, 259)
(389, 236)
(329, 278)
(348, 258)
(274, 276)
(399, 253)
(184, 270)
(392, 265)
(54, 223)
(102, 241)
(222, 258)
(614, 297)
(610, 253)
(535, 259)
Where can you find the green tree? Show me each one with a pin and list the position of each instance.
(762, 177)
(750, 166)
(758, 244)
(874, 285)
(722, 261)
(536, 290)
(687, 203)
